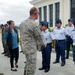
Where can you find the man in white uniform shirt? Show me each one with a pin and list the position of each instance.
(73, 38)
(60, 33)
(69, 41)
(46, 50)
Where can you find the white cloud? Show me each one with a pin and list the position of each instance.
(16, 10)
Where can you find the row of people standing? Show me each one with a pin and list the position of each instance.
(5, 47)
(68, 35)
(69, 40)
(10, 39)
(62, 37)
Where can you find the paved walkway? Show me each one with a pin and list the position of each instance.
(56, 69)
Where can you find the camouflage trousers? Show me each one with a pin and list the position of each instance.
(30, 66)
(6, 50)
(3, 43)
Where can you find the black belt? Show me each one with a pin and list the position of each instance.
(60, 40)
(49, 43)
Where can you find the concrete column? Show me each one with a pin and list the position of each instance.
(48, 13)
(54, 15)
(62, 11)
(42, 14)
(66, 11)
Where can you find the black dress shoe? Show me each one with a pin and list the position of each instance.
(12, 69)
(21, 51)
(47, 70)
(41, 68)
(55, 62)
(25, 62)
(3, 53)
(8, 56)
(62, 64)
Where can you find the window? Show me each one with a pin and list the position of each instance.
(73, 10)
(45, 13)
(51, 15)
(40, 15)
(57, 11)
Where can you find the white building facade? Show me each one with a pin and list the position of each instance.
(51, 10)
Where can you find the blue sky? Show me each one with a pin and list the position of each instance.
(16, 10)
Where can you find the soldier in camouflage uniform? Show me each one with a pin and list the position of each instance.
(3, 30)
(31, 39)
(5, 45)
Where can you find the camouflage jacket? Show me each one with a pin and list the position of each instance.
(30, 34)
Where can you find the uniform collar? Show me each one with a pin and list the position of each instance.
(71, 25)
(45, 30)
(60, 27)
(31, 18)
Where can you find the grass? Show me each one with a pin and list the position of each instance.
(71, 48)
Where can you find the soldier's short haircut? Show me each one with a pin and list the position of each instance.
(33, 10)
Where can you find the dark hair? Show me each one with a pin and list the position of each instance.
(47, 26)
(33, 10)
(9, 22)
(74, 23)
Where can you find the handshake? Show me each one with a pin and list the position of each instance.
(39, 46)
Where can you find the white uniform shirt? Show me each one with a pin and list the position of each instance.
(69, 30)
(47, 36)
(73, 36)
(59, 33)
